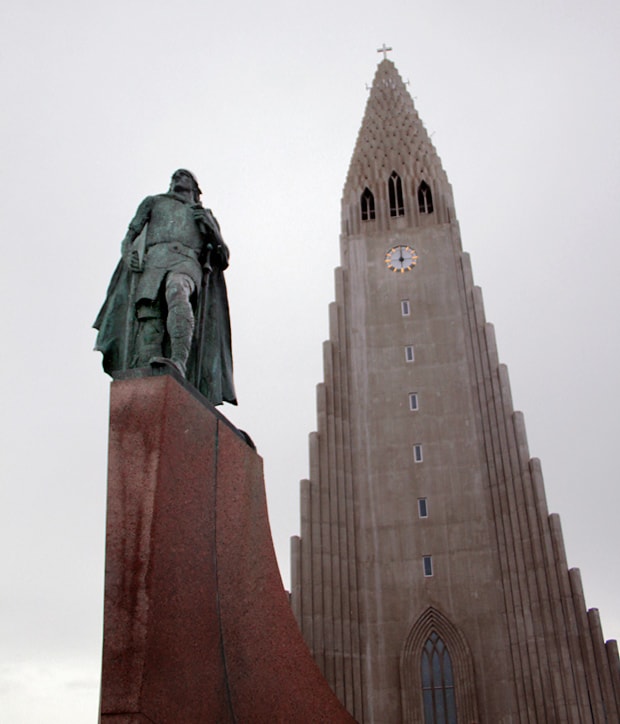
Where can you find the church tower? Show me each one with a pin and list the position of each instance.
(429, 580)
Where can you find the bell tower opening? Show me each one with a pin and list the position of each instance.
(395, 193)
(425, 198)
(368, 205)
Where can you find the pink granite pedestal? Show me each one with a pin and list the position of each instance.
(197, 625)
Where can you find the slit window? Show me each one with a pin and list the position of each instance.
(409, 356)
(413, 401)
(405, 308)
(417, 453)
(422, 508)
(425, 198)
(368, 205)
(427, 564)
(395, 194)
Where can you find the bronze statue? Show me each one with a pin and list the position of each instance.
(167, 303)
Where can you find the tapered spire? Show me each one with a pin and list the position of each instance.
(430, 581)
(392, 139)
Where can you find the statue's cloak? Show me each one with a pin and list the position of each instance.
(209, 368)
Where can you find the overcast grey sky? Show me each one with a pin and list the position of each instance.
(263, 101)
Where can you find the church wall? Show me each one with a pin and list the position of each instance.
(500, 593)
(393, 537)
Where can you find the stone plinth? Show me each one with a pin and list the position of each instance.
(197, 625)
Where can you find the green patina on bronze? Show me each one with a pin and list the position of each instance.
(167, 304)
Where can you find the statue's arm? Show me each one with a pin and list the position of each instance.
(221, 255)
(215, 250)
(139, 221)
(220, 251)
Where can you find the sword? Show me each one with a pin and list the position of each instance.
(138, 245)
(202, 314)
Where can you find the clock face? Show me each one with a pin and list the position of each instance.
(401, 259)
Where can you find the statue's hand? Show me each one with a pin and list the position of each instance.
(199, 213)
(206, 265)
(134, 262)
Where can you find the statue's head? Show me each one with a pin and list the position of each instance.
(184, 181)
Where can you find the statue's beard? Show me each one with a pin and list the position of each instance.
(182, 190)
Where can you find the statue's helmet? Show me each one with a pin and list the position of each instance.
(190, 175)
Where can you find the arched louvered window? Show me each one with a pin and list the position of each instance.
(368, 205)
(425, 198)
(437, 682)
(395, 193)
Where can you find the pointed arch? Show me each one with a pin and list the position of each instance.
(395, 195)
(437, 673)
(425, 198)
(367, 202)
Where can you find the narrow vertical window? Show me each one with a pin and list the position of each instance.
(427, 564)
(437, 682)
(368, 205)
(413, 401)
(422, 508)
(409, 353)
(417, 453)
(425, 198)
(405, 308)
(395, 194)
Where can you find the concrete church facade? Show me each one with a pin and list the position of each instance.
(429, 580)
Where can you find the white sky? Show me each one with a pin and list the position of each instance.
(263, 101)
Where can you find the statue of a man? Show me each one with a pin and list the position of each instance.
(167, 303)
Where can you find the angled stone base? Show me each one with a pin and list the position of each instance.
(197, 625)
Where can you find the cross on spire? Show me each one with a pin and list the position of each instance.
(384, 49)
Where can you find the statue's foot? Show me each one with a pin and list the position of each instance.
(167, 362)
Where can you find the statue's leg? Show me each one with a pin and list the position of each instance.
(150, 336)
(180, 321)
